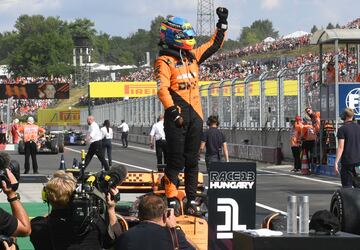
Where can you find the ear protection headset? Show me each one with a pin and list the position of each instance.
(343, 116)
(44, 194)
(213, 119)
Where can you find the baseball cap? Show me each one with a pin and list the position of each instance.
(324, 222)
(298, 118)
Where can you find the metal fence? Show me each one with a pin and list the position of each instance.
(269, 100)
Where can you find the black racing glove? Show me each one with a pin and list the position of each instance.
(223, 15)
(175, 116)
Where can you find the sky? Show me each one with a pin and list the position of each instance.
(124, 17)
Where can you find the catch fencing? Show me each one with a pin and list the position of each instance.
(269, 100)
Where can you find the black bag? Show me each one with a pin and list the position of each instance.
(324, 222)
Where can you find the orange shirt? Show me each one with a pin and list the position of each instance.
(295, 134)
(31, 132)
(308, 133)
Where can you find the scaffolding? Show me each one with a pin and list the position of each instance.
(205, 18)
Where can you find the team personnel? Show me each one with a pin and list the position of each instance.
(315, 118)
(177, 76)
(215, 143)
(157, 135)
(308, 136)
(30, 133)
(348, 149)
(94, 138)
(124, 133)
(295, 141)
(107, 138)
(15, 131)
(3, 129)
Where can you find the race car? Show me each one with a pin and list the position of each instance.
(49, 143)
(72, 137)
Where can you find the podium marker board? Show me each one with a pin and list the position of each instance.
(232, 197)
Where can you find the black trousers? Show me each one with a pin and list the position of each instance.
(30, 150)
(161, 151)
(309, 146)
(106, 146)
(183, 148)
(296, 155)
(95, 148)
(124, 136)
(2, 138)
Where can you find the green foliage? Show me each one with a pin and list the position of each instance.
(314, 29)
(330, 26)
(258, 31)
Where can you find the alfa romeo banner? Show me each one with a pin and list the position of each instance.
(46, 90)
(232, 197)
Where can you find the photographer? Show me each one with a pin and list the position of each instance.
(157, 229)
(62, 230)
(17, 224)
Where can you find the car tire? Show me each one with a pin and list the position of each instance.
(345, 205)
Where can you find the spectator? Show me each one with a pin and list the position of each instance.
(15, 131)
(30, 133)
(214, 141)
(94, 137)
(17, 224)
(107, 138)
(3, 129)
(60, 230)
(348, 149)
(295, 141)
(124, 133)
(156, 230)
(157, 135)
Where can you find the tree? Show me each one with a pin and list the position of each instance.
(330, 26)
(43, 47)
(337, 26)
(258, 31)
(314, 29)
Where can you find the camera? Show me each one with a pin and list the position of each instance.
(7, 163)
(89, 197)
(9, 240)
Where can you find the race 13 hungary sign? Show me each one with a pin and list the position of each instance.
(232, 197)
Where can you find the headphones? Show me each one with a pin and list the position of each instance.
(44, 193)
(343, 116)
(213, 119)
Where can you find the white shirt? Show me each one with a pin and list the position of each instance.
(157, 130)
(106, 134)
(94, 133)
(124, 127)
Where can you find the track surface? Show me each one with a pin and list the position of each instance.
(274, 183)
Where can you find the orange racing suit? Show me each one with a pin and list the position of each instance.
(177, 76)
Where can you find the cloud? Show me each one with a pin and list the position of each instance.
(270, 4)
(28, 6)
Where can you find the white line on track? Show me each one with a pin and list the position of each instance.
(336, 183)
(118, 162)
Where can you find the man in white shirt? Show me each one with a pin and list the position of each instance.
(94, 138)
(157, 134)
(107, 138)
(124, 133)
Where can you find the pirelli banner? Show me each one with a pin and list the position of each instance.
(123, 89)
(232, 197)
(141, 89)
(58, 117)
(45, 90)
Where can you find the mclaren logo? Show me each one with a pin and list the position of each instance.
(230, 209)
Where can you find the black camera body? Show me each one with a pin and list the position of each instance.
(7, 163)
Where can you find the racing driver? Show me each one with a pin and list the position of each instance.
(177, 76)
